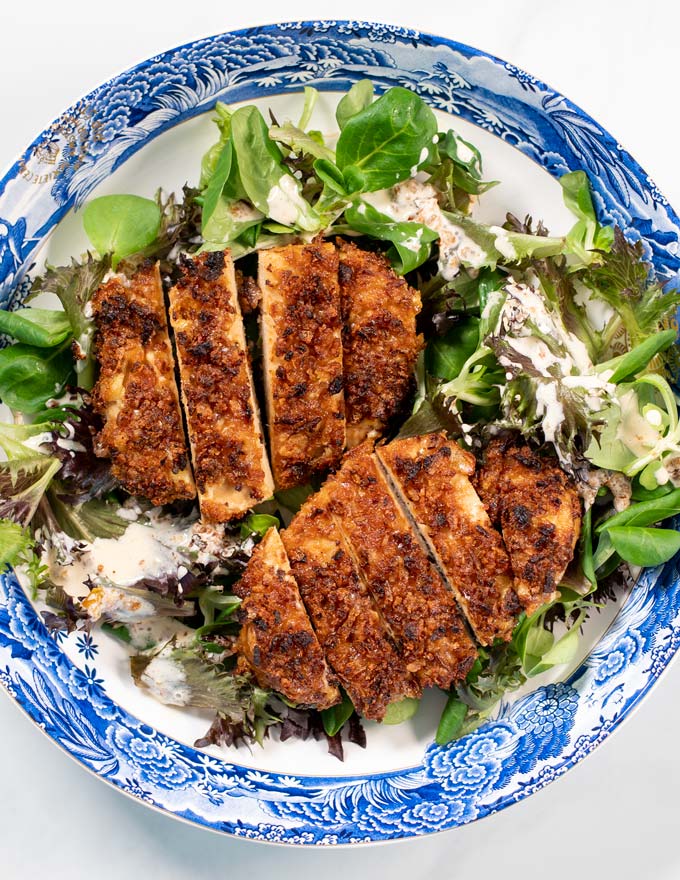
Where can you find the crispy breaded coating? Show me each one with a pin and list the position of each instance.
(302, 350)
(348, 625)
(276, 638)
(380, 343)
(418, 607)
(136, 392)
(432, 475)
(539, 512)
(230, 462)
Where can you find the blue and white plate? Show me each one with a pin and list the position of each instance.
(149, 127)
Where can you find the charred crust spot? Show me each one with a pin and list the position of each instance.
(521, 515)
(335, 386)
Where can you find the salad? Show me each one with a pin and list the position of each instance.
(565, 341)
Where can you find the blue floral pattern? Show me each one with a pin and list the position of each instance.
(534, 739)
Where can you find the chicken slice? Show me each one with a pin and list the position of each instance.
(539, 512)
(348, 624)
(230, 462)
(417, 606)
(276, 639)
(431, 473)
(380, 343)
(136, 392)
(302, 349)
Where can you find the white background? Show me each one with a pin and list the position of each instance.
(617, 814)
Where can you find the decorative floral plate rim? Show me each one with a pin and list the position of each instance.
(535, 739)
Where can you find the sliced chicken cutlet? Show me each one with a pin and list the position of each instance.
(276, 639)
(539, 512)
(417, 606)
(302, 350)
(230, 462)
(380, 343)
(432, 474)
(136, 392)
(348, 625)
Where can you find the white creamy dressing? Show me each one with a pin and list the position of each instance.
(151, 550)
(166, 681)
(575, 370)
(416, 202)
(598, 312)
(284, 201)
(549, 409)
(152, 631)
(502, 242)
(634, 430)
(117, 605)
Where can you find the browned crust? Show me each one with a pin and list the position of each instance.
(450, 515)
(302, 348)
(347, 622)
(230, 464)
(380, 343)
(417, 606)
(539, 511)
(136, 392)
(276, 638)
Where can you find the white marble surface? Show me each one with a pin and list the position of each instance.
(617, 814)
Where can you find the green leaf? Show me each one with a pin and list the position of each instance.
(451, 721)
(43, 328)
(88, 520)
(587, 234)
(645, 513)
(14, 540)
(211, 157)
(330, 175)
(386, 141)
(311, 97)
(411, 240)
(213, 190)
(562, 652)
(13, 438)
(267, 182)
(23, 484)
(425, 420)
(446, 355)
(259, 524)
(293, 499)
(30, 376)
(358, 98)
(228, 222)
(335, 717)
(639, 493)
(637, 359)
(646, 547)
(301, 142)
(401, 711)
(121, 225)
(74, 285)
(586, 547)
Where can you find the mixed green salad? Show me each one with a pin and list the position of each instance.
(567, 339)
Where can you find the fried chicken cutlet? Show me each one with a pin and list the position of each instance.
(432, 475)
(349, 627)
(380, 343)
(276, 639)
(230, 462)
(539, 512)
(136, 392)
(302, 350)
(417, 606)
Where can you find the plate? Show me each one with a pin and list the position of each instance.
(148, 127)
